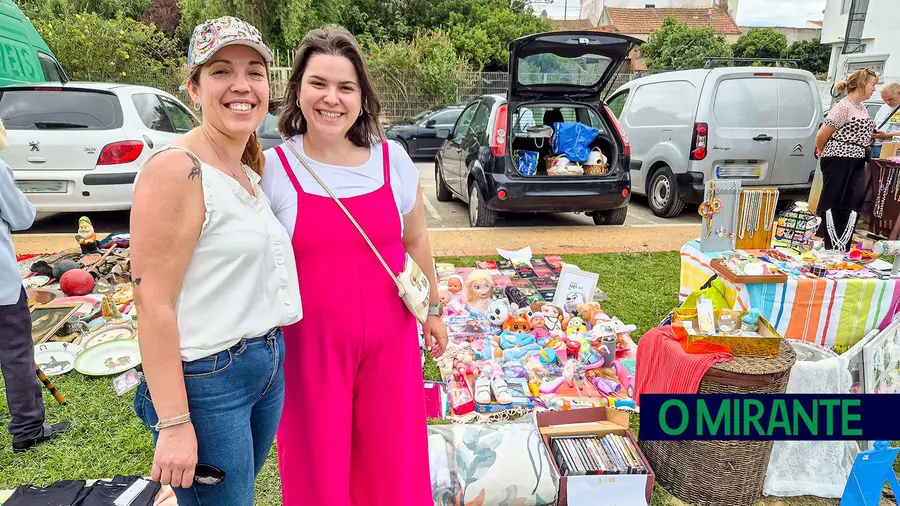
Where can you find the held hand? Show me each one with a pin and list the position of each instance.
(176, 456)
(435, 335)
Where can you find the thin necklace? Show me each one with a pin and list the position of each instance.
(216, 151)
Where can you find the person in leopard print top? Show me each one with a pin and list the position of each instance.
(842, 142)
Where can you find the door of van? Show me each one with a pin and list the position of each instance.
(743, 126)
(799, 113)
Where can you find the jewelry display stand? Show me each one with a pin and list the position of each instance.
(719, 211)
(889, 248)
(755, 227)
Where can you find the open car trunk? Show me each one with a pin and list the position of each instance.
(531, 131)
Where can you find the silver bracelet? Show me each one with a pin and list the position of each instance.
(164, 425)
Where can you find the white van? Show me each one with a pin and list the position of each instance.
(755, 124)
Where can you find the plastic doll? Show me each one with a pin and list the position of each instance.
(553, 317)
(479, 288)
(539, 329)
(455, 283)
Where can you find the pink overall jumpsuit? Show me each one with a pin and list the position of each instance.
(353, 429)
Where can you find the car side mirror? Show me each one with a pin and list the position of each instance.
(443, 133)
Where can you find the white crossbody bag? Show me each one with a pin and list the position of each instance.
(412, 283)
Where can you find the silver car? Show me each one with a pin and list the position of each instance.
(753, 124)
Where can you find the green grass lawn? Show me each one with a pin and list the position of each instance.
(107, 438)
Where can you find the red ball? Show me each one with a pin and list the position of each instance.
(76, 282)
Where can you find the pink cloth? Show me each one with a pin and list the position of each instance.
(353, 430)
(663, 367)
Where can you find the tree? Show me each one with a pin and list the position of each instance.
(813, 55)
(108, 9)
(760, 43)
(91, 48)
(429, 61)
(678, 47)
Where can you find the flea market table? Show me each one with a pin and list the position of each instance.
(835, 313)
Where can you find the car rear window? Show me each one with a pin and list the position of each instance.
(57, 109)
(545, 68)
(797, 106)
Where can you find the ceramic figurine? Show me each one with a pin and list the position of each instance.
(86, 236)
(479, 288)
(110, 311)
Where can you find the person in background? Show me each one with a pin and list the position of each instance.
(353, 365)
(215, 280)
(887, 119)
(23, 390)
(842, 142)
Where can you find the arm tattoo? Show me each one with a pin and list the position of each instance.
(137, 281)
(195, 170)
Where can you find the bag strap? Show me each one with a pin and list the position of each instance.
(888, 117)
(290, 145)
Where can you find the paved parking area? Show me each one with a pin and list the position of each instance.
(441, 215)
(455, 214)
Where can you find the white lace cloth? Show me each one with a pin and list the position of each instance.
(815, 468)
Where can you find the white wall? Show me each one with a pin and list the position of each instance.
(879, 35)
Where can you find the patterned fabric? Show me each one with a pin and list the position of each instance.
(853, 131)
(832, 313)
(500, 464)
(215, 34)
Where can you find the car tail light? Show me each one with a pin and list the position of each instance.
(120, 152)
(698, 144)
(501, 194)
(622, 136)
(498, 139)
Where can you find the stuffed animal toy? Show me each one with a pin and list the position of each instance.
(516, 324)
(498, 312)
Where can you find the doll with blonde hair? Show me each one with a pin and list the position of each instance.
(478, 289)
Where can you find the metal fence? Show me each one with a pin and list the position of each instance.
(402, 96)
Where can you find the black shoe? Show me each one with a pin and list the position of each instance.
(48, 432)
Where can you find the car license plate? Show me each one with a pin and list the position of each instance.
(42, 186)
(744, 172)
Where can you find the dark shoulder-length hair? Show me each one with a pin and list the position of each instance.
(335, 41)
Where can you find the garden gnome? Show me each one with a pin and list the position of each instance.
(86, 236)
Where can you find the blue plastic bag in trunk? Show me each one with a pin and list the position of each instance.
(526, 162)
(573, 140)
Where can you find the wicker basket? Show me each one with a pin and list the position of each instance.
(596, 170)
(723, 473)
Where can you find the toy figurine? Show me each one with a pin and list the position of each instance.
(574, 300)
(539, 327)
(86, 236)
(553, 316)
(588, 312)
(479, 288)
(516, 324)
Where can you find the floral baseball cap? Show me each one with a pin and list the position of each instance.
(214, 34)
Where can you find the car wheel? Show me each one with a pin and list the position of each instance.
(611, 217)
(663, 196)
(440, 187)
(479, 214)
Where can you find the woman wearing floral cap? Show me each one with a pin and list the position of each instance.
(214, 280)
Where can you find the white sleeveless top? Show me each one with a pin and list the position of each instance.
(242, 279)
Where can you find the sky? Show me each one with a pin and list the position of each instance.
(750, 12)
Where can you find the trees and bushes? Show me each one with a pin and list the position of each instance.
(677, 46)
(812, 54)
(760, 43)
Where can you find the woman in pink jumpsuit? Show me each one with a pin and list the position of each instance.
(353, 428)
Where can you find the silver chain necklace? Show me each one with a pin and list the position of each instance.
(839, 243)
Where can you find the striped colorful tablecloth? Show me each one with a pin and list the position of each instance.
(832, 313)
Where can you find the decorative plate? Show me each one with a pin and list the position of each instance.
(106, 334)
(90, 306)
(43, 296)
(112, 357)
(35, 281)
(56, 358)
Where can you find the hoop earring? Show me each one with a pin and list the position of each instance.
(197, 106)
(361, 112)
(298, 102)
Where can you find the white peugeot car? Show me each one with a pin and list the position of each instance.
(77, 147)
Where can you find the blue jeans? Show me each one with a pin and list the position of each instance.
(235, 398)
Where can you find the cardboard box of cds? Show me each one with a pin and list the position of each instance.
(598, 459)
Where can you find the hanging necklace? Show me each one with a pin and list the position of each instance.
(745, 214)
(839, 244)
(230, 170)
(771, 202)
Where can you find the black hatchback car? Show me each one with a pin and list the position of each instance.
(554, 77)
(418, 135)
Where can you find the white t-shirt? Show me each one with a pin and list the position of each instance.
(893, 124)
(342, 181)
